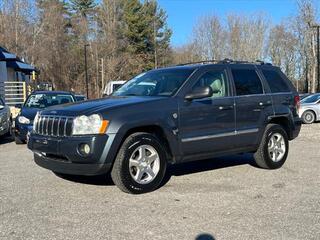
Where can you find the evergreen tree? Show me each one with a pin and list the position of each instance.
(135, 27)
(145, 33)
(160, 33)
(83, 7)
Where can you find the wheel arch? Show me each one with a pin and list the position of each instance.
(165, 135)
(284, 122)
(156, 130)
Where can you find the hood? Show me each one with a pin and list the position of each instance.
(96, 106)
(29, 113)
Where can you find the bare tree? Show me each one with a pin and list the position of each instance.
(282, 50)
(306, 47)
(247, 36)
(209, 38)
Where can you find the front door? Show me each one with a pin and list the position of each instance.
(208, 125)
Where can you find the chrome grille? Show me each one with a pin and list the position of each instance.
(57, 126)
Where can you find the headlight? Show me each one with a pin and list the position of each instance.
(93, 124)
(23, 120)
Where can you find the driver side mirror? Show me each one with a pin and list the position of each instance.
(18, 105)
(199, 93)
(1, 107)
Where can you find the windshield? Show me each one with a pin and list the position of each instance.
(155, 83)
(47, 100)
(311, 99)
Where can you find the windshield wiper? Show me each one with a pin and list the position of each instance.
(131, 94)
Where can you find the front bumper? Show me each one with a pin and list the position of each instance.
(62, 155)
(4, 129)
(4, 126)
(21, 130)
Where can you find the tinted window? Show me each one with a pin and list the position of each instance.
(275, 81)
(1, 102)
(246, 82)
(216, 80)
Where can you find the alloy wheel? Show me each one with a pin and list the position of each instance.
(144, 164)
(276, 147)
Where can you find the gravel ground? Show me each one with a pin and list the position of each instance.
(224, 198)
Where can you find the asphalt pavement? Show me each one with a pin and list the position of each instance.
(223, 198)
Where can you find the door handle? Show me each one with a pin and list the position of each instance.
(265, 104)
(226, 107)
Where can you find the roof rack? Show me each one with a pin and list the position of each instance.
(199, 62)
(225, 61)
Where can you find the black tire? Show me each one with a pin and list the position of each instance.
(18, 141)
(9, 133)
(120, 172)
(308, 117)
(262, 157)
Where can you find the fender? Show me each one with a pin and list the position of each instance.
(115, 140)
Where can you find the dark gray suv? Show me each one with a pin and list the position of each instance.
(168, 116)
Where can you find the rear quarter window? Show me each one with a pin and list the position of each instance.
(247, 82)
(275, 81)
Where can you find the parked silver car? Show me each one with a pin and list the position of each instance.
(5, 118)
(309, 110)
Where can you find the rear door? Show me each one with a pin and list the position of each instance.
(253, 105)
(283, 92)
(208, 125)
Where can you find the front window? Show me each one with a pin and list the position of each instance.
(311, 99)
(47, 100)
(155, 83)
(216, 80)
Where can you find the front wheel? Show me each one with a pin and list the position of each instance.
(140, 164)
(19, 141)
(274, 147)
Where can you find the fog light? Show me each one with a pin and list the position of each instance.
(84, 149)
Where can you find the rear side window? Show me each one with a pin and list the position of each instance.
(247, 82)
(275, 81)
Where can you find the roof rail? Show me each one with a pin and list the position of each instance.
(225, 61)
(199, 62)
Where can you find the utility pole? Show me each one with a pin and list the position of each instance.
(102, 76)
(318, 55)
(86, 69)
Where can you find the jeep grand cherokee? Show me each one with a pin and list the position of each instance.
(168, 116)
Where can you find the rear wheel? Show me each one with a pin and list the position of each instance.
(274, 147)
(308, 117)
(140, 164)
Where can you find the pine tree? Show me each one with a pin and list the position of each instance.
(135, 27)
(160, 33)
(145, 32)
(83, 7)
